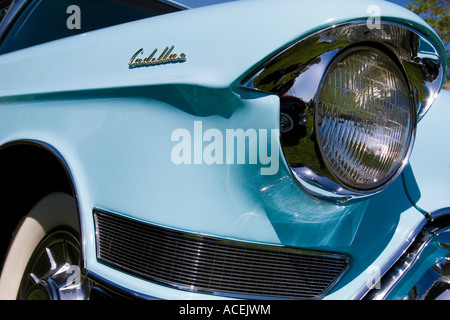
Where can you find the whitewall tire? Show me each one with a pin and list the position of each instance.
(52, 223)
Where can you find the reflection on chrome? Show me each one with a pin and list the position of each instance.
(428, 255)
(297, 75)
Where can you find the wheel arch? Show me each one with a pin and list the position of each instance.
(29, 170)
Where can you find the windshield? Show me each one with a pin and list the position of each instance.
(47, 20)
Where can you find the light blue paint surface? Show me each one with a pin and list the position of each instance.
(117, 142)
(429, 180)
(100, 58)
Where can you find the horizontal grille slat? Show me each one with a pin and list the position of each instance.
(206, 261)
(207, 264)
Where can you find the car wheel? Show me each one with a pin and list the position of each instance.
(44, 259)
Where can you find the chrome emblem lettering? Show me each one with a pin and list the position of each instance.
(165, 57)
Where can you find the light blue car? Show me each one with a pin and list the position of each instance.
(246, 150)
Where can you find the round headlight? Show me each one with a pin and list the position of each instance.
(364, 119)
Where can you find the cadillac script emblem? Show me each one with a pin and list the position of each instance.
(165, 57)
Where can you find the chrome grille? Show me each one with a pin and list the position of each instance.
(211, 265)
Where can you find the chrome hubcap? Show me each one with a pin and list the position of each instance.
(53, 272)
(286, 122)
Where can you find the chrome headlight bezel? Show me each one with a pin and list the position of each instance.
(295, 75)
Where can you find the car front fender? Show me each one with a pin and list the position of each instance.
(428, 177)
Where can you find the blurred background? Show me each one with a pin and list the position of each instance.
(437, 14)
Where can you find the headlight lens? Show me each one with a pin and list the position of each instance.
(364, 119)
(348, 111)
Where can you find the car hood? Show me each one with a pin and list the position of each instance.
(222, 43)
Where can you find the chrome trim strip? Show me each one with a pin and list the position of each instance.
(175, 4)
(393, 259)
(440, 213)
(400, 268)
(434, 284)
(323, 187)
(115, 288)
(430, 232)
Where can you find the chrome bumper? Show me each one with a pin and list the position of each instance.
(423, 271)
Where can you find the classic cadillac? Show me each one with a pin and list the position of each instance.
(251, 149)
